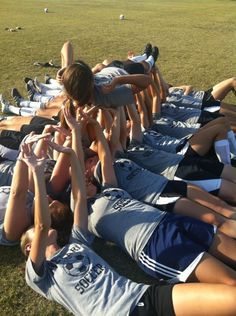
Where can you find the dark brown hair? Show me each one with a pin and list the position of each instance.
(78, 82)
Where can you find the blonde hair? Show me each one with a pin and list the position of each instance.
(25, 239)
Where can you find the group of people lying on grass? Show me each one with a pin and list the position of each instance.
(115, 152)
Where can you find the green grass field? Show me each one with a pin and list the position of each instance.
(197, 42)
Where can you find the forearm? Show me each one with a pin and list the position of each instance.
(16, 219)
(79, 193)
(77, 145)
(42, 218)
(140, 81)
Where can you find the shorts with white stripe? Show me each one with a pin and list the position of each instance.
(176, 247)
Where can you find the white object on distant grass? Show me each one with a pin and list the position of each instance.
(122, 17)
(46, 10)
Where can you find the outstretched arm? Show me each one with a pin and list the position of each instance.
(16, 218)
(104, 153)
(111, 119)
(139, 82)
(77, 177)
(42, 219)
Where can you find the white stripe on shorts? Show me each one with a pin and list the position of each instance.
(158, 267)
(164, 200)
(207, 185)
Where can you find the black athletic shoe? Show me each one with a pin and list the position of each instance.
(27, 79)
(30, 90)
(148, 49)
(17, 97)
(47, 78)
(155, 53)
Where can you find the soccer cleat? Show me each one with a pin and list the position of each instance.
(30, 90)
(148, 49)
(155, 53)
(5, 105)
(17, 97)
(47, 78)
(27, 79)
(36, 84)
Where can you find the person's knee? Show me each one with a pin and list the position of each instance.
(233, 79)
(67, 47)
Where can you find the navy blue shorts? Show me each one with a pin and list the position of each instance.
(193, 167)
(207, 117)
(176, 247)
(156, 301)
(208, 100)
(173, 191)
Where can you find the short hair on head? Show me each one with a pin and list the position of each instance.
(25, 239)
(78, 82)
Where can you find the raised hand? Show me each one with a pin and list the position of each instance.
(60, 148)
(32, 161)
(32, 138)
(56, 128)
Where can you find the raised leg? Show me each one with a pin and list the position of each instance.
(200, 299)
(221, 89)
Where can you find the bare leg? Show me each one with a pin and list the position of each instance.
(228, 107)
(221, 89)
(190, 208)
(15, 123)
(212, 270)
(227, 191)
(67, 54)
(219, 120)
(224, 249)
(229, 173)
(218, 205)
(203, 140)
(200, 299)
(48, 113)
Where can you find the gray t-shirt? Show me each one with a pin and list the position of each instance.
(140, 183)
(178, 129)
(122, 95)
(115, 216)
(184, 114)
(6, 172)
(154, 160)
(4, 197)
(162, 142)
(193, 99)
(77, 278)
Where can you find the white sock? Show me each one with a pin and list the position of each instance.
(150, 61)
(27, 112)
(232, 142)
(222, 151)
(56, 84)
(139, 58)
(52, 92)
(41, 98)
(14, 109)
(31, 104)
